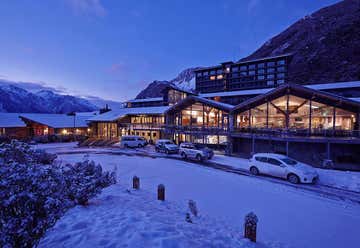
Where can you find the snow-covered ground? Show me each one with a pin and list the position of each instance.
(288, 217)
(127, 218)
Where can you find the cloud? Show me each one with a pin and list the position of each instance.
(87, 7)
(252, 5)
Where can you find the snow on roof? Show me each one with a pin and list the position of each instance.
(57, 120)
(88, 113)
(11, 120)
(155, 99)
(118, 113)
(328, 86)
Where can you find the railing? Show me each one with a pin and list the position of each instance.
(196, 129)
(142, 126)
(299, 132)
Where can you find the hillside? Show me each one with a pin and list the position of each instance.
(325, 45)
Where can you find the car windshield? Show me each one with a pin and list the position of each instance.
(289, 161)
(168, 142)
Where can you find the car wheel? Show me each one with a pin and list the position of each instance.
(183, 155)
(199, 158)
(292, 178)
(126, 146)
(254, 170)
(167, 151)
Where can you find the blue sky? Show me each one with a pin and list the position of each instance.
(114, 48)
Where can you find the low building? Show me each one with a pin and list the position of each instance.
(146, 121)
(12, 126)
(48, 124)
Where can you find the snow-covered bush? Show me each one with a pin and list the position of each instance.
(35, 191)
(19, 152)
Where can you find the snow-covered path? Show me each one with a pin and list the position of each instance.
(286, 215)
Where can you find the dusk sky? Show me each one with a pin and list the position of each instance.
(113, 49)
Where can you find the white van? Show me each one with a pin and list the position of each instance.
(133, 141)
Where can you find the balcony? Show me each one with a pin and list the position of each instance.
(209, 130)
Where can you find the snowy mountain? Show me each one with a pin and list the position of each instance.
(19, 100)
(184, 80)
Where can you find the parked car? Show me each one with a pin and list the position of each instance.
(133, 141)
(278, 165)
(167, 146)
(198, 152)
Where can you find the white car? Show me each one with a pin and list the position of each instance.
(278, 165)
(167, 146)
(198, 152)
(133, 141)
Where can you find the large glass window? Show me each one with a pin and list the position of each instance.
(258, 116)
(322, 116)
(299, 110)
(277, 110)
(242, 120)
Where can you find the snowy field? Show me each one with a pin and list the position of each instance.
(288, 217)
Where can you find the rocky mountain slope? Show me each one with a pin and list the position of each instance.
(185, 80)
(17, 100)
(325, 45)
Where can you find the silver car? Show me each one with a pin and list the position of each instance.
(198, 152)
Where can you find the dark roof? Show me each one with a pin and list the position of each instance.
(299, 91)
(192, 99)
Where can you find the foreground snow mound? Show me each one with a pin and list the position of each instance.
(124, 218)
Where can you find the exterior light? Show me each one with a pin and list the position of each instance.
(64, 131)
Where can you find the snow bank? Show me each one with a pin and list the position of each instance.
(348, 180)
(127, 218)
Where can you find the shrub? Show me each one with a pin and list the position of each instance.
(35, 191)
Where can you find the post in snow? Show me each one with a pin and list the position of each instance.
(136, 182)
(161, 192)
(250, 226)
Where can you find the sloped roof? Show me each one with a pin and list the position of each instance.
(300, 91)
(192, 99)
(113, 115)
(57, 120)
(11, 120)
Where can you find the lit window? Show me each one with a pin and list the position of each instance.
(212, 77)
(64, 131)
(281, 62)
(270, 76)
(261, 65)
(270, 82)
(220, 77)
(271, 63)
(243, 68)
(281, 81)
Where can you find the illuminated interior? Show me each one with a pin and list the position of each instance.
(301, 114)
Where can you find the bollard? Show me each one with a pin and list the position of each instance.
(250, 226)
(161, 192)
(136, 182)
